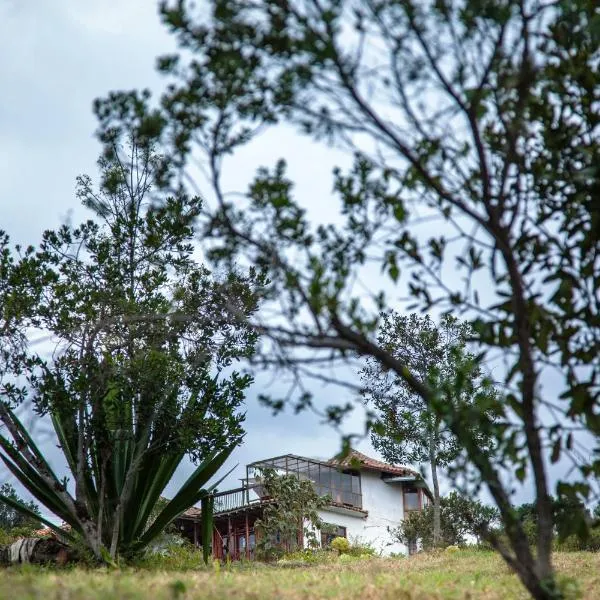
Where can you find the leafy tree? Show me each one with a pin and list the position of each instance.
(294, 508)
(408, 430)
(143, 374)
(11, 518)
(474, 128)
(460, 517)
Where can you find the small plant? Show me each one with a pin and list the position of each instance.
(173, 557)
(295, 508)
(361, 549)
(8, 536)
(341, 545)
(348, 558)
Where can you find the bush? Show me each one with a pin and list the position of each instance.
(348, 558)
(8, 536)
(361, 549)
(460, 517)
(574, 543)
(341, 544)
(172, 557)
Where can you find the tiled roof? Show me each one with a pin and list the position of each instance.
(47, 531)
(193, 512)
(362, 461)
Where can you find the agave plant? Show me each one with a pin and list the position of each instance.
(133, 481)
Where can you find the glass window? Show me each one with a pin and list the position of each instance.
(356, 484)
(333, 531)
(411, 499)
(347, 482)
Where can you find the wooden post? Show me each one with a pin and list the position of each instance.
(230, 546)
(247, 537)
(196, 534)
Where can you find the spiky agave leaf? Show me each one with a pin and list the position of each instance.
(190, 493)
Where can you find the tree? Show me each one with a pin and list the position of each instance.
(11, 518)
(294, 508)
(408, 430)
(144, 371)
(474, 190)
(460, 517)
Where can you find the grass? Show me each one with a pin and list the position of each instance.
(465, 574)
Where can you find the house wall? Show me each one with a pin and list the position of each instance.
(384, 503)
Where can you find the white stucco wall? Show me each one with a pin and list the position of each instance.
(385, 507)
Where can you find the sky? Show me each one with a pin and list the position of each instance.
(63, 55)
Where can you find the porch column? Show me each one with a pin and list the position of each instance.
(196, 534)
(230, 546)
(247, 537)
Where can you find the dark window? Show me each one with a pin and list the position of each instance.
(411, 499)
(333, 531)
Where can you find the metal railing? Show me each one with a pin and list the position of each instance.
(231, 500)
(235, 499)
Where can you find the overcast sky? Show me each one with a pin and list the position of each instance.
(58, 56)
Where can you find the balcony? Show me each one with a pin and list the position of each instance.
(238, 498)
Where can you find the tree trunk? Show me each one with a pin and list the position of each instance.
(437, 516)
(36, 550)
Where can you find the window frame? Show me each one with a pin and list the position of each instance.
(327, 538)
(406, 490)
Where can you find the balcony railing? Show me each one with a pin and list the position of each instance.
(231, 500)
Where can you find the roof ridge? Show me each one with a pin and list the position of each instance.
(373, 463)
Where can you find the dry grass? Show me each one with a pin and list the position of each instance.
(425, 577)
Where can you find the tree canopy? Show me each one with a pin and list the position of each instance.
(480, 118)
(407, 429)
(143, 373)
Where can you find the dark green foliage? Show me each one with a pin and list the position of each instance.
(474, 129)
(460, 517)
(144, 372)
(294, 511)
(587, 538)
(10, 518)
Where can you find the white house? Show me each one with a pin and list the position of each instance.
(368, 499)
(385, 494)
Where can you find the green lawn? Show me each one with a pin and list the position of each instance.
(461, 575)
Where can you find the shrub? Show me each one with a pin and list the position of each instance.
(8, 536)
(574, 543)
(348, 558)
(460, 517)
(361, 549)
(341, 544)
(177, 555)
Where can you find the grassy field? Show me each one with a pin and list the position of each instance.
(461, 575)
